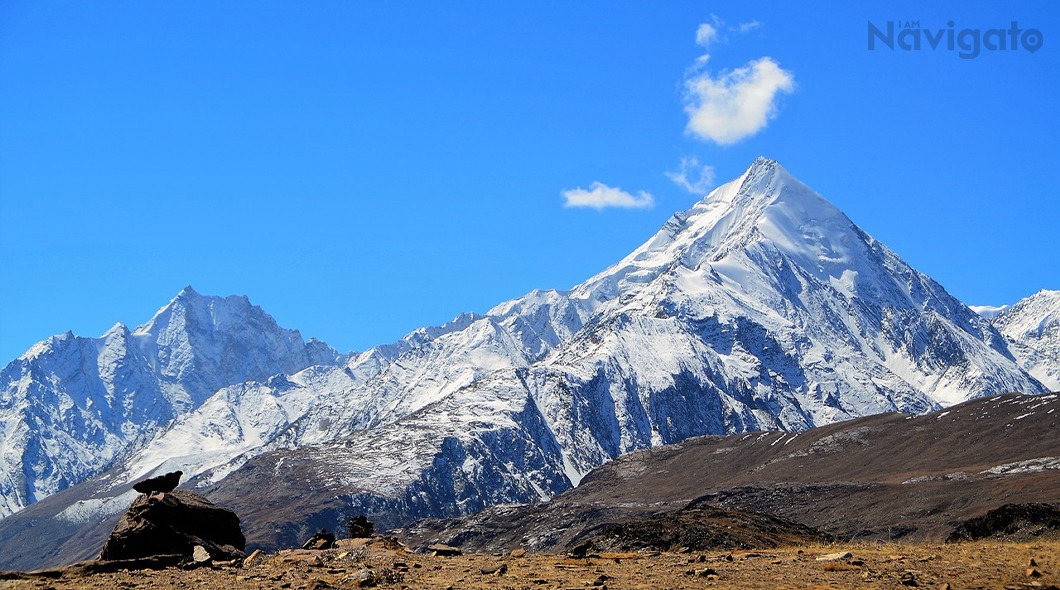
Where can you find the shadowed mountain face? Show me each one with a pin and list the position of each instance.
(883, 477)
(762, 307)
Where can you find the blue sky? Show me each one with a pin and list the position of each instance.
(360, 169)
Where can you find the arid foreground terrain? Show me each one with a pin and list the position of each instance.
(385, 564)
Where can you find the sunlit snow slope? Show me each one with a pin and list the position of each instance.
(1033, 327)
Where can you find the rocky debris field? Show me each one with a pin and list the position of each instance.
(384, 563)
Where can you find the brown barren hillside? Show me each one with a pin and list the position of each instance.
(884, 477)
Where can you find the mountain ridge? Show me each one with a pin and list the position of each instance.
(741, 313)
(115, 391)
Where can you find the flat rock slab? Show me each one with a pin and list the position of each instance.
(836, 556)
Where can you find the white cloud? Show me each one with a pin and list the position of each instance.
(600, 196)
(692, 176)
(735, 104)
(706, 34)
(748, 27)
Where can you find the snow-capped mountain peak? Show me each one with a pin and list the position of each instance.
(1032, 326)
(71, 406)
(1036, 316)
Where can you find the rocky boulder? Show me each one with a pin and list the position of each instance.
(174, 523)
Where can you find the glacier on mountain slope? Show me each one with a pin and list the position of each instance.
(762, 307)
(1032, 326)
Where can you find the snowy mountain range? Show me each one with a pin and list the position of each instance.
(71, 407)
(763, 307)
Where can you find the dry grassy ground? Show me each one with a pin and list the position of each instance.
(387, 565)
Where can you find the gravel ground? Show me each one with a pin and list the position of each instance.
(385, 564)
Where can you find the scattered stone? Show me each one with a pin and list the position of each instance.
(320, 540)
(836, 556)
(581, 549)
(495, 570)
(1033, 572)
(709, 573)
(174, 523)
(318, 584)
(1032, 563)
(162, 483)
(257, 556)
(360, 527)
(908, 579)
(199, 554)
(365, 578)
(442, 550)
(518, 553)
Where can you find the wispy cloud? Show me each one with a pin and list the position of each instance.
(748, 26)
(692, 176)
(731, 105)
(601, 196)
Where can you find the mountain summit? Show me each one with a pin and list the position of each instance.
(763, 307)
(71, 406)
(1032, 326)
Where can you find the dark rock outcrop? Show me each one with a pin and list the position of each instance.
(163, 483)
(173, 524)
(1011, 522)
(320, 540)
(360, 527)
(703, 528)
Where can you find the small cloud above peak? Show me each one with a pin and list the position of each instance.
(706, 34)
(600, 196)
(692, 176)
(735, 104)
(731, 105)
